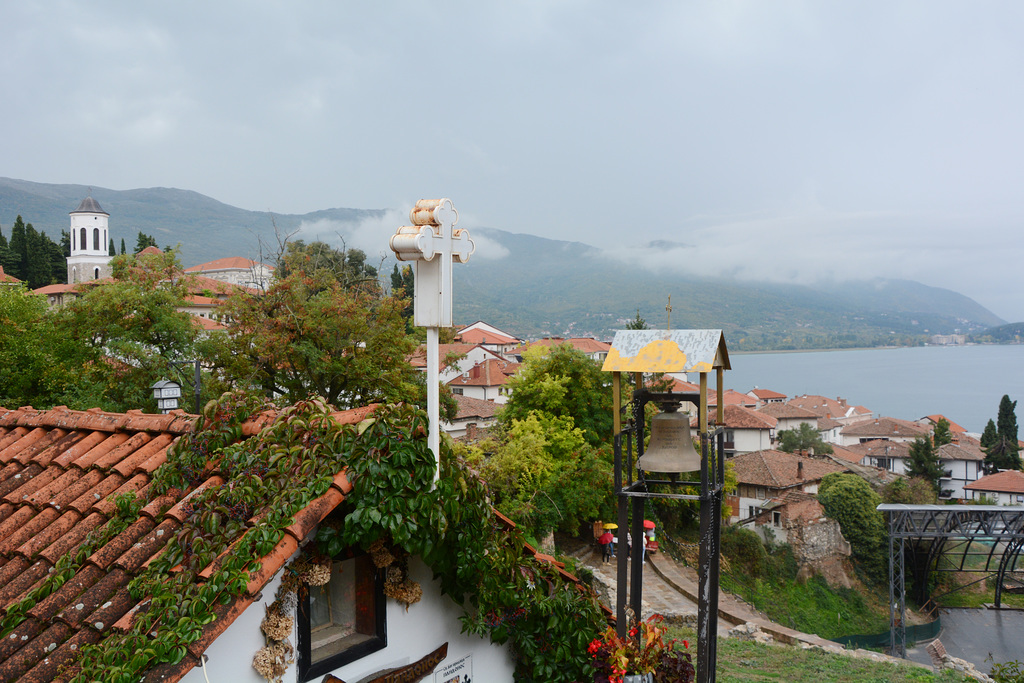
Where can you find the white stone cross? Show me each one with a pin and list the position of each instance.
(434, 244)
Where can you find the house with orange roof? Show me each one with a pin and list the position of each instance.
(788, 416)
(489, 337)
(766, 396)
(955, 430)
(885, 428)
(473, 416)
(964, 462)
(1002, 488)
(102, 550)
(746, 430)
(731, 397)
(6, 279)
(486, 380)
(455, 359)
(236, 270)
(594, 350)
(837, 409)
(764, 476)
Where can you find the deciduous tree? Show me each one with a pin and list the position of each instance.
(562, 381)
(850, 501)
(803, 438)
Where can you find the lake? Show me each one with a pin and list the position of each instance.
(964, 383)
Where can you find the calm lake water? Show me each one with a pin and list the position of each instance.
(964, 383)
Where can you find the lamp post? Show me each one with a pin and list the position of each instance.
(670, 452)
(167, 393)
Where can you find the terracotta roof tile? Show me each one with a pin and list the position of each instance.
(779, 470)
(9, 544)
(1008, 481)
(17, 638)
(79, 606)
(17, 478)
(111, 442)
(40, 447)
(120, 544)
(19, 445)
(51, 666)
(73, 538)
(81, 582)
(103, 488)
(50, 534)
(886, 427)
(34, 651)
(124, 450)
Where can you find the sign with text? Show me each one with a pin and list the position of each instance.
(459, 671)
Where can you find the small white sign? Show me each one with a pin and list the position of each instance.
(460, 671)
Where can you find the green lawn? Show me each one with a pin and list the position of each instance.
(749, 662)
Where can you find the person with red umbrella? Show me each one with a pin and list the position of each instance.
(606, 545)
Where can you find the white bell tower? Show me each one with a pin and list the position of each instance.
(90, 256)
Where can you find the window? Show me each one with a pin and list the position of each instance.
(96, 239)
(761, 492)
(776, 519)
(342, 621)
(82, 243)
(457, 391)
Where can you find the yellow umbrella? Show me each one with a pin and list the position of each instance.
(609, 525)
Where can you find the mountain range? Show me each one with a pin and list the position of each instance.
(534, 286)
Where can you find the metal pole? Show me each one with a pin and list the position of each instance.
(198, 386)
(433, 399)
(705, 660)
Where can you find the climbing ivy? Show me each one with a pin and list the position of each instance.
(268, 478)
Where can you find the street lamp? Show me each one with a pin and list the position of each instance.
(167, 392)
(671, 452)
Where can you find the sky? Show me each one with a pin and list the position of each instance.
(785, 140)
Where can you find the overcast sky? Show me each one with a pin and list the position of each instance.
(782, 140)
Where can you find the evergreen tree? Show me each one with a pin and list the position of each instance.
(37, 258)
(111, 250)
(403, 283)
(924, 462)
(989, 436)
(941, 435)
(58, 262)
(804, 438)
(144, 241)
(5, 254)
(19, 250)
(1004, 452)
(65, 243)
(637, 323)
(122, 246)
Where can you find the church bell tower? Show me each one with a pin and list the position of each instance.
(90, 256)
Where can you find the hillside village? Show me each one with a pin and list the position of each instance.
(775, 492)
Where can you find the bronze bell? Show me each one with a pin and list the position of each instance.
(671, 448)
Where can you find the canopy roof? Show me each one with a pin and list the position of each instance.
(667, 351)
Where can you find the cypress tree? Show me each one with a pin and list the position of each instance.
(122, 246)
(1003, 452)
(37, 262)
(19, 250)
(941, 434)
(112, 251)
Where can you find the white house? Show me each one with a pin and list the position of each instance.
(746, 430)
(489, 337)
(455, 359)
(1006, 488)
(788, 416)
(486, 381)
(236, 270)
(885, 428)
(764, 476)
(964, 463)
(473, 415)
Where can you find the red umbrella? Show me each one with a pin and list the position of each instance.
(648, 524)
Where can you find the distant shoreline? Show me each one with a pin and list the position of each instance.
(871, 348)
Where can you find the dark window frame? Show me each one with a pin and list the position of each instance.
(308, 669)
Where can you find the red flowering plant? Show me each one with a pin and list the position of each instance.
(643, 651)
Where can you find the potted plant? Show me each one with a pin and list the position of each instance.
(643, 656)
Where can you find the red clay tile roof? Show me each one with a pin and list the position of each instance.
(680, 386)
(765, 394)
(4, 277)
(954, 428)
(478, 336)
(961, 451)
(820, 405)
(738, 417)
(780, 470)
(418, 359)
(584, 344)
(491, 373)
(1007, 481)
(229, 263)
(59, 473)
(782, 411)
(886, 427)
(731, 397)
(150, 251)
(474, 407)
(207, 323)
(881, 448)
(847, 454)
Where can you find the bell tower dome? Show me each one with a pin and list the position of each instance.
(90, 258)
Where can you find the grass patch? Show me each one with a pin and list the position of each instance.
(766, 578)
(748, 662)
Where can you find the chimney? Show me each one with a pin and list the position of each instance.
(800, 470)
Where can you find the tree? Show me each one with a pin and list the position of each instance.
(347, 266)
(1003, 452)
(403, 283)
(112, 251)
(562, 381)
(131, 330)
(122, 246)
(916, 491)
(941, 435)
(805, 438)
(19, 250)
(309, 334)
(924, 462)
(850, 501)
(143, 241)
(637, 323)
(990, 436)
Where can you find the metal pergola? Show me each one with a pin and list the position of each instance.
(971, 538)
